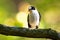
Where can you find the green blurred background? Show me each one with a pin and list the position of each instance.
(49, 9)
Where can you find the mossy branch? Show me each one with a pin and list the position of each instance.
(25, 32)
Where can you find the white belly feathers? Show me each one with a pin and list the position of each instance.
(34, 18)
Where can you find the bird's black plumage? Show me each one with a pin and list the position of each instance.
(28, 22)
(40, 16)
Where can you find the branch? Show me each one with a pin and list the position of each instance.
(24, 32)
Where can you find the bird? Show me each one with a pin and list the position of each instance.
(34, 18)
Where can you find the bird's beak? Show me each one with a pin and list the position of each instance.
(29, 11)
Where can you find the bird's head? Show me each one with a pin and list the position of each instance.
(31, 8)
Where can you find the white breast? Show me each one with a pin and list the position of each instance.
(34, 18)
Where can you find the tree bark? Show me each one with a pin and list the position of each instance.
(32, 33)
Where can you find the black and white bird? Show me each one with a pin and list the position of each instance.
(34, 18)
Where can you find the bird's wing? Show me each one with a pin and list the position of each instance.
(28, 21)
(40, 16)
(28, 18)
